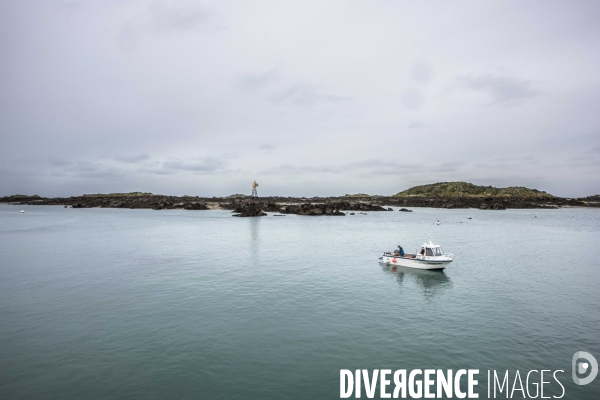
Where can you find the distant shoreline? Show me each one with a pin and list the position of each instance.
(249, 206)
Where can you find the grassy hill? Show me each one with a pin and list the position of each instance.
(20, 197)
(466, 189)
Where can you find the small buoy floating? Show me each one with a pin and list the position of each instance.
(438, 222)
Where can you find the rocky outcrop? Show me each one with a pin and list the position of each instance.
(591, 201)
(483, 203)
(330, 208)
(248, 208)
(360, 206)
(195, 205)
(306, 206)
(162, 205)
(312, 209)
(405, 210)
(20, 198)
(238, 205)
(494, 206)
(138, 200)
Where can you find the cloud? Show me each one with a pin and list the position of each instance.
(368, 167)
(412, 99)
(299, 94)
(304, 95)
(383, 167)
(513, 159)
(200, 165)
(137, 164)
(178, 16)
(289, 169)
(422, 72)
(101, 174)
(165, 18)
(252, 82)
(85, 166)
(584, 160)
(416, 125)
(89, 169)
(265, 148)
(155, 171)
(60, 162)
(132, 159)
(445, 167)
(375, 167)
(67, 5)
(503, 163)
(594, 150)
(503, 89)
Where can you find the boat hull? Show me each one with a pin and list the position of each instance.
(420, 263)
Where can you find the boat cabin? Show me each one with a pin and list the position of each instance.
(431, 250)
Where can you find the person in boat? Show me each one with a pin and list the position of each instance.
(422, 251)
(400, 251)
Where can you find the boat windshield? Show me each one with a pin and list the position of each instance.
(428, 252)
(438, 251)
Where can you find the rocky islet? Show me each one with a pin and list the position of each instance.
(246, 206)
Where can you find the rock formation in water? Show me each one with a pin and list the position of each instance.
(312, 209)
(249, 208)
(440, 195)
(121, 200)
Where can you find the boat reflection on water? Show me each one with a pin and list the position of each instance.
(431, 282)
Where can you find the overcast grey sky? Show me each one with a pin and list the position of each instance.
(307, 97)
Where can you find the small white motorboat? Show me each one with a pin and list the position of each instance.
(431, 256)
(22, 211)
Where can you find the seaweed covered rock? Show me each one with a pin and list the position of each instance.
(313, 209)
(248, 208)
(492, 206)
(195, 205)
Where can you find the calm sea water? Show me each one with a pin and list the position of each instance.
(107, 303)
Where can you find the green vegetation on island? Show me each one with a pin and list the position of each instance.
(20, 197)
(466, 189)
